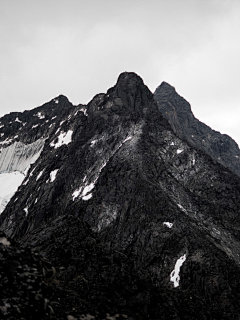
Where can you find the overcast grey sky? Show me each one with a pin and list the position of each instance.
(78, 48)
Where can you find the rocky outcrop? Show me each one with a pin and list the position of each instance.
(178, 112)
(136, 221)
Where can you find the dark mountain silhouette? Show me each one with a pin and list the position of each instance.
(178, 112)
(137, 222)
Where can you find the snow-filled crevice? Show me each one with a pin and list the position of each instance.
(174, 276)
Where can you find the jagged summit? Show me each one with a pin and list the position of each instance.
(129, 96)
(130, 83)
(165, 86)
(136, 219)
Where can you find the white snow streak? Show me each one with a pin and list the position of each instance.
(39, 175)
(174, 276)
(181, 207)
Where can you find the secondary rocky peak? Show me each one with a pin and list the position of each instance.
(164, 86)
(178, 112)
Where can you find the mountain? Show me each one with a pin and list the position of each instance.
(178, 112)
(138, 222)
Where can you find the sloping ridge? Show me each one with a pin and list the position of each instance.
(177, 111)
(136, 220)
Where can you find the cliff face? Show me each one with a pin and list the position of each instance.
(22, 137)
(178, 112)
(136, 220)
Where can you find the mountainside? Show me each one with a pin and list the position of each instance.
(137, 221)
(178, 112)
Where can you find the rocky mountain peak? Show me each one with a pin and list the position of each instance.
(128, 98)
(137, 220)
(131, 83)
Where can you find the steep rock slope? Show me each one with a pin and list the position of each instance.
(136, 220)
(178, 112)
(24, 287)
(22, 137)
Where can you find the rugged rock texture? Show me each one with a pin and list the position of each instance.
(178, 112)
(22, 137)
(137, 222)
(24, 283)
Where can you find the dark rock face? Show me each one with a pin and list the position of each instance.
(24, 287)
(137, 222)
(178, 112)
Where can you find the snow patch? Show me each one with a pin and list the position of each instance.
(56, 101)
(63, 138)
(174, 276)
(35, 125)
(168, 224)
(53, 175)
(179, 151)
(93, 143)
(26, 211)
(87, 197)
(84, 192)
(40, 115)
(17, 120)
(9, 183)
